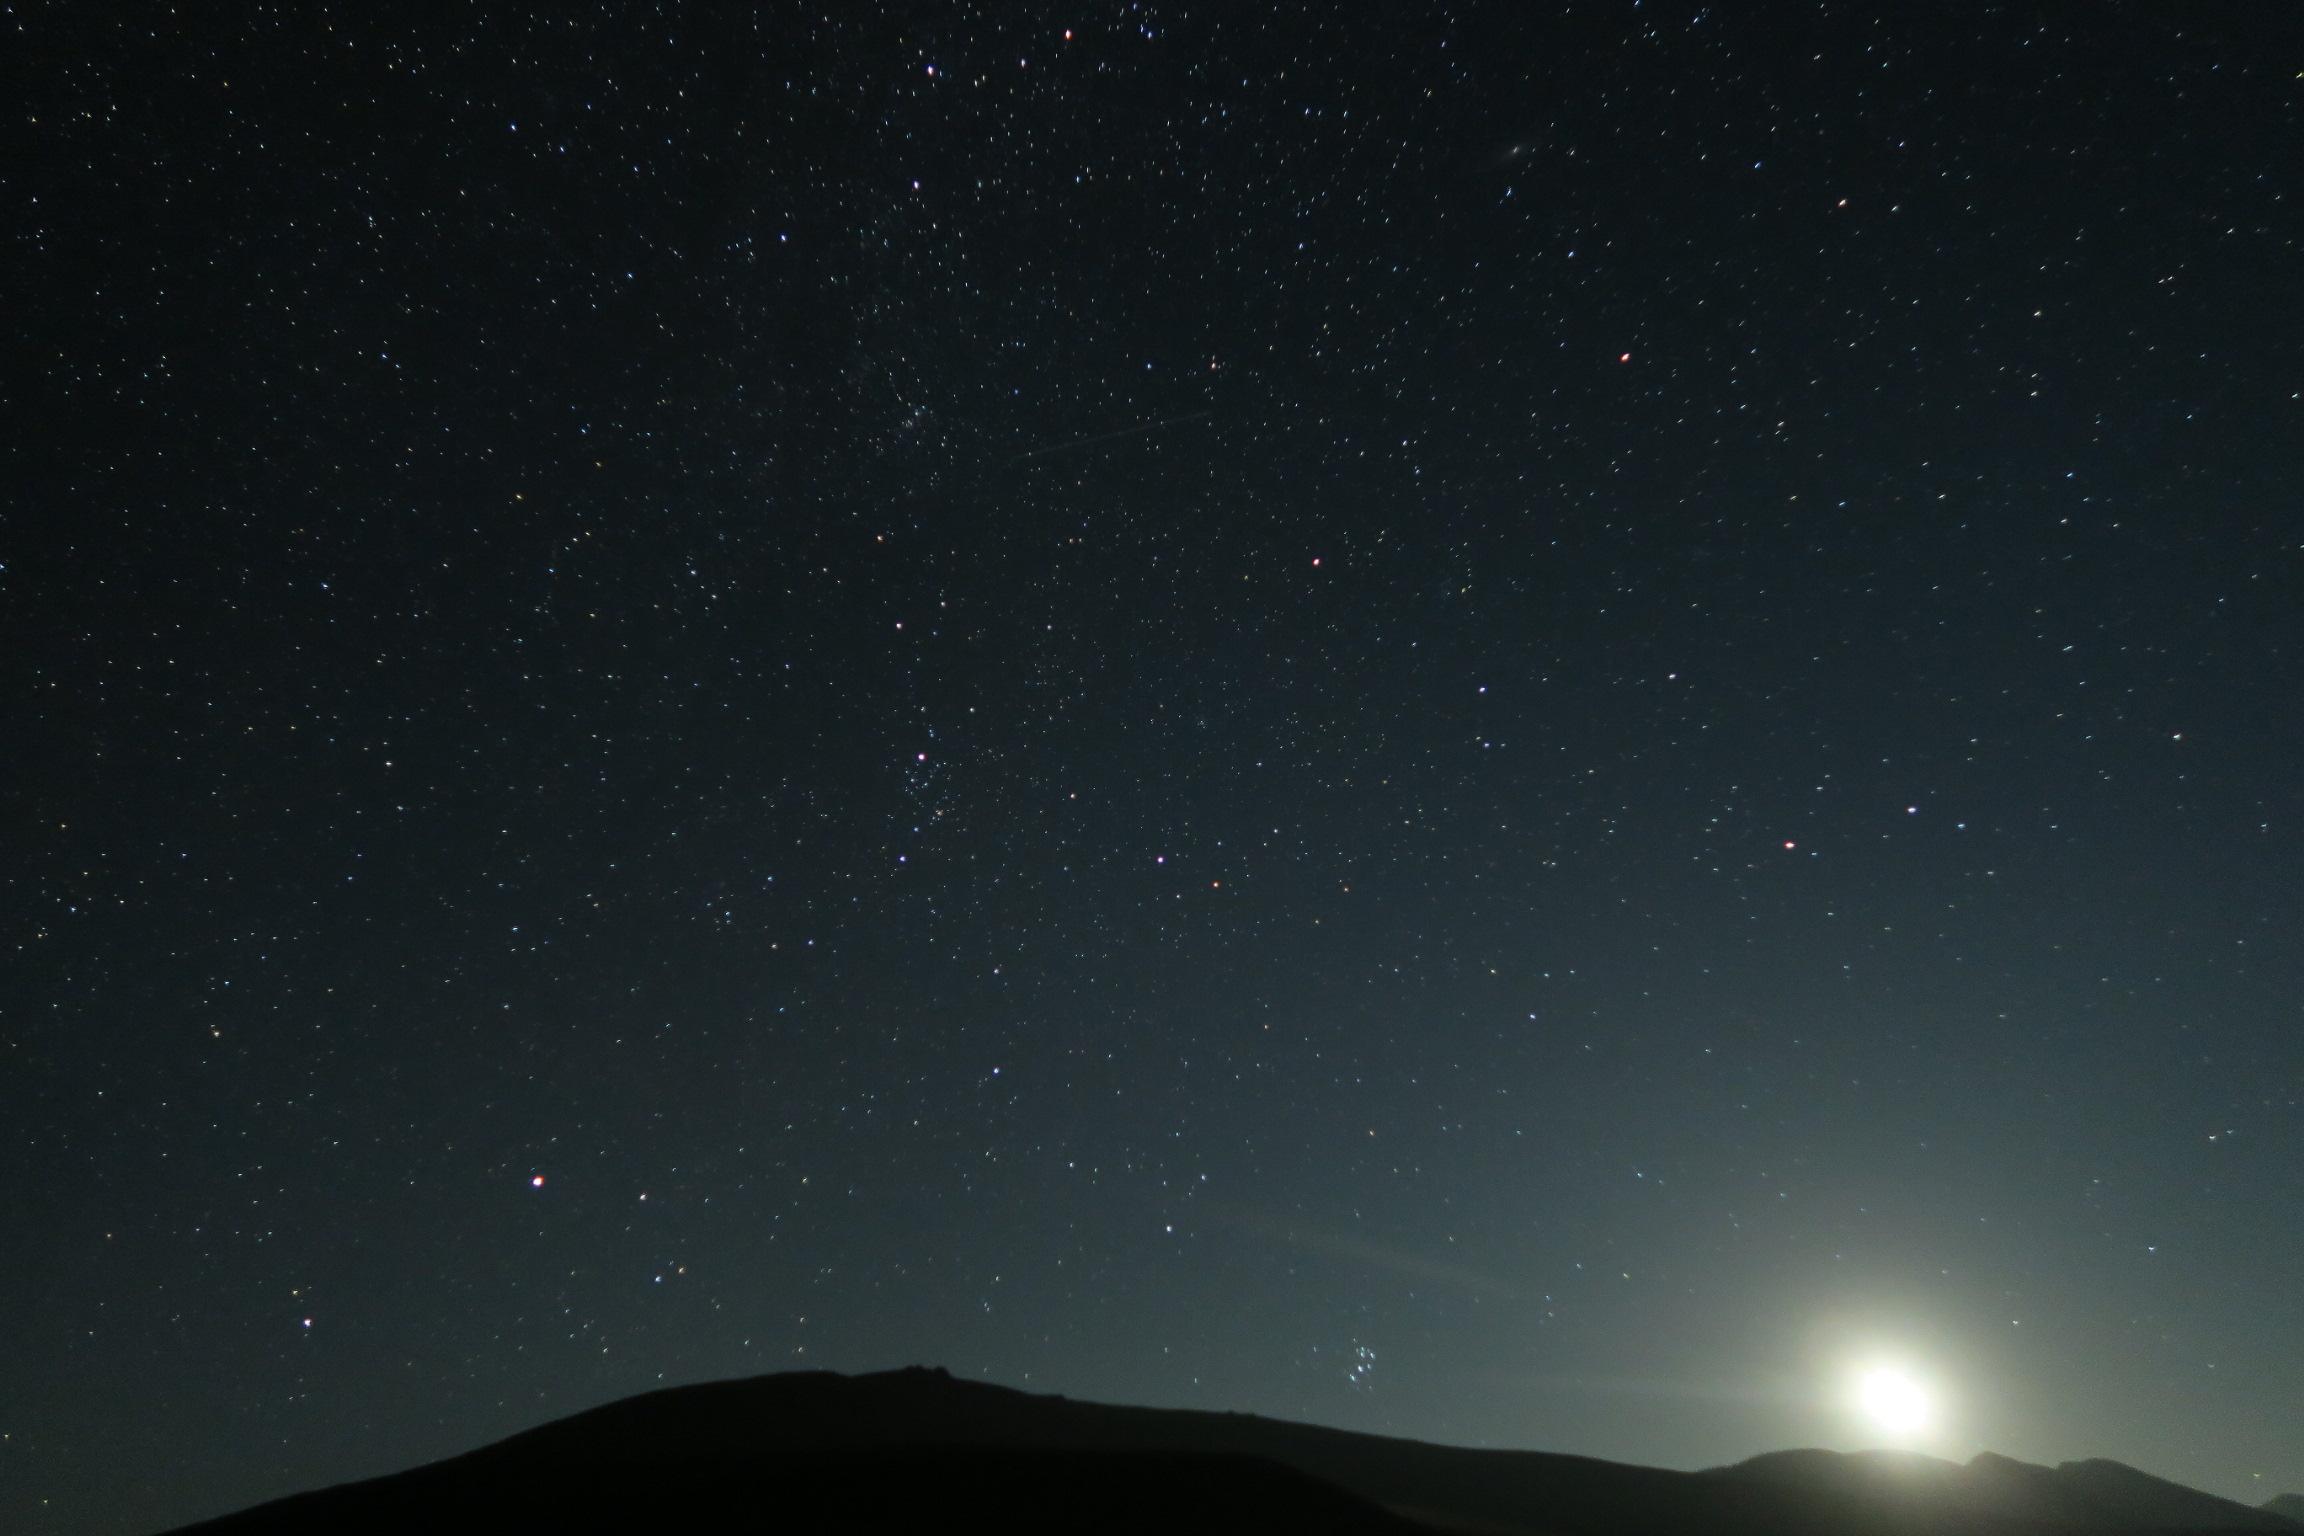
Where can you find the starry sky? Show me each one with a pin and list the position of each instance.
(1523, 724)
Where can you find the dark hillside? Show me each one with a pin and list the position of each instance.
(815, 1451)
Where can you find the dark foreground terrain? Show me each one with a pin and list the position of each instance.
(918, 1450)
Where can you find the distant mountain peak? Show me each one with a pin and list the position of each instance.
(2288, 1506)
(1811, 1462)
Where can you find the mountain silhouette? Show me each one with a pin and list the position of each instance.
(2290, 1505)
(914, 1449)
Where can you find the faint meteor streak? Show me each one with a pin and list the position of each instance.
(1359, 1250)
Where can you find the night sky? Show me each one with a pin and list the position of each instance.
(1534, 725)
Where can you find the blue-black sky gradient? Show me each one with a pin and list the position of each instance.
(1517, 724)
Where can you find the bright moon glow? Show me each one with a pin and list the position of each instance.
(1894, 1402)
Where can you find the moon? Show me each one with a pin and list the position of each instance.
(1894, 1401)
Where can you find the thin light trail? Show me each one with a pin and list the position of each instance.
(1106, 437)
